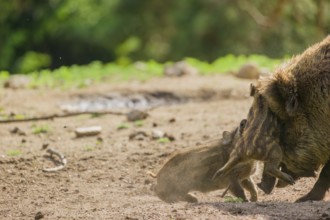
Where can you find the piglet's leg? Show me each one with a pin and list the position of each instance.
(321, 186)
(272, 162)
(249, 186)
(234, 159)
(237, 190)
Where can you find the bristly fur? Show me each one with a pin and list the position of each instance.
(297, 98)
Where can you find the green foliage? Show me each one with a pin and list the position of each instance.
(139, 123)
(13, 153)
(233, 63)
(123, 126)
(231, 199)
(164, 140)
(89, 148)
(49, 34)
(82, 76)
(39, 129)
(32, 61)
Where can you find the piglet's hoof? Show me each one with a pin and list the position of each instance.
(265, 188)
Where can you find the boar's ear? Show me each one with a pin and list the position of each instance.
(252, 89)
(291, 105)
(226, 137)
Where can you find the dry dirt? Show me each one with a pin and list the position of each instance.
(106, 175)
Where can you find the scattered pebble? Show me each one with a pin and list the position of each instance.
(39, 215)
(88, 131)
(44, 146)
(135, 115)
(172, 120)
(17, 81)
(17, 130)
(248, 71)
(156, 134)
(179, 69)
(138, 135)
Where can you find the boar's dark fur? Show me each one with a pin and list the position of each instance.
(289, 122)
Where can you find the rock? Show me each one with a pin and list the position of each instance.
(18, 81)
(39, 215)
(17, 130)
(44, 146)
(172, 120)
(248, 71)
(135, 115)
(156, 134)
(138, 135)
(179, 69)
(88, 131)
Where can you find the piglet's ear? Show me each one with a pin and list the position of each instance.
(226, 137)
(291, 105)
(252, 89)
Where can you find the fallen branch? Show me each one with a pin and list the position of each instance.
(225, 192)
(59, 155)
(63, 115)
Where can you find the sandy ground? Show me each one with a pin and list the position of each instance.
(106, 175)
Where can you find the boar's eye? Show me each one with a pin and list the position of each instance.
(242, 125)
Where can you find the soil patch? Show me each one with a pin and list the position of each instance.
(106, 176)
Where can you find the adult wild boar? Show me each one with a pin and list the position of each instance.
(192, 170)
(289, 122)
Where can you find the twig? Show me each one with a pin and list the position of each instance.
(69, 114)
(62, 159)
(225, 192)
(63, 115)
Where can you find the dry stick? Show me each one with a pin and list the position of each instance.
(62, 159)
(64, 115)
(69, 114)
(225, 192)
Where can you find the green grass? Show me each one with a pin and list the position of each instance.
(82, 76)
(89, 148)
(139, 123)
(164, 140)
(123, 126)
(13, 153)
(40, 129)
(231, 199)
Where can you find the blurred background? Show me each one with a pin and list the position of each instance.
(38, 34)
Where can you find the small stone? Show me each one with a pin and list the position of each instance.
(88, 131)
(179, 69)
(39, 215)
(18, 81)
(17, 130)
(248, 71)
(138, 135)
(172, 120)
(135, 115)
(156, 134)
(44, 146)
